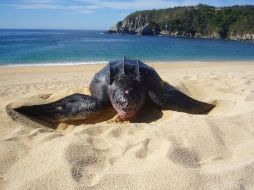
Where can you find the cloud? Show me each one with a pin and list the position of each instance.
(50, 5)
(91, 6)
(157, 4)
(132, 5)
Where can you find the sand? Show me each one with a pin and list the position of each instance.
(160, 150)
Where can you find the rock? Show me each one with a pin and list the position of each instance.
(145, 30)
(143, 23)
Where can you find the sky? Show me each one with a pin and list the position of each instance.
(84, 14)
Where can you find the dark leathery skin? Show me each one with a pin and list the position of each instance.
(73, 107)
(125, 85)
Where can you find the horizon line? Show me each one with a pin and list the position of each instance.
(51, 29)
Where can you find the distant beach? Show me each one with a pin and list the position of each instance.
(71, 47)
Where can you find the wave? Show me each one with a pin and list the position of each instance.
(103, 40)
(53, 64)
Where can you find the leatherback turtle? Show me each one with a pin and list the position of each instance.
(125, 84)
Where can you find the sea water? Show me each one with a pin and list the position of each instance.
(40, 47)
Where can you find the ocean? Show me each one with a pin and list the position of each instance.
(41, 47)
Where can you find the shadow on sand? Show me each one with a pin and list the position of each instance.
(149, 113)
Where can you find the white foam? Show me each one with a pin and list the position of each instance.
(54, 64)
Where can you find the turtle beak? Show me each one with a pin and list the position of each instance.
(126, 115)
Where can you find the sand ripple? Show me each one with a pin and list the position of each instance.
(160, 150)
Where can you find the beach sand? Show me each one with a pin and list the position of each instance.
(160, 150)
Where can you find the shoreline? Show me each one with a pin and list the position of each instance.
(234, 38)
(93, 68)
(63, 64)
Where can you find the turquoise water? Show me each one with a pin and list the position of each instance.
(75, 47)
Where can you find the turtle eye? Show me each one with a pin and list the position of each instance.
(125, 81)
(121, 81)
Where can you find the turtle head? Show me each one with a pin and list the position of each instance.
(127, 95)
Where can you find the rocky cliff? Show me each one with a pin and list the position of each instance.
(202, 21)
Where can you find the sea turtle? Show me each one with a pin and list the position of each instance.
(124, 84)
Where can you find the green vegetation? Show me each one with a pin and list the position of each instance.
(201, 20)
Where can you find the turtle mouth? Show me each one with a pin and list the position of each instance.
(126, 115)
(127, 107)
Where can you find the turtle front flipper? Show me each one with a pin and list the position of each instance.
(172, 99)
(70, 108)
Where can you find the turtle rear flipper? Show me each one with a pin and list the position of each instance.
(70, 108)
